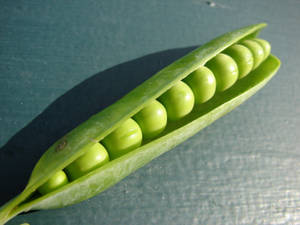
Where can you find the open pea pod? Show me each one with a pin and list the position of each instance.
(79, 140)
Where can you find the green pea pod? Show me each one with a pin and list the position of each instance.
(80, 139)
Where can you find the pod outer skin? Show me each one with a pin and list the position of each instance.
(104, 177)
(80, 139)
(71, 146)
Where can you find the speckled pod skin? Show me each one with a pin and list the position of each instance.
(228, 93)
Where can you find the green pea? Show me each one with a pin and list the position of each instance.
(123, 139)
(95, 157)
(179, 101)
(58, 180)
(225, 70)
(257, 52)
(152, 119)
(203, 84)
(243, 58)
(266, 46)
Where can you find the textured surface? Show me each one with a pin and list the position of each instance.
(243, 169)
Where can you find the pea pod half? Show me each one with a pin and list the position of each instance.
(226, 89)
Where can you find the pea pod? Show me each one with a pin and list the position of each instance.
(78, 141)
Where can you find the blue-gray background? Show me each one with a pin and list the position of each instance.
(61, 61)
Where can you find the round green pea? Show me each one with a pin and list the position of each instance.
(179, 101)
(58, 180)
(225, 71)
(257, 52)
(95, 157)
(152, 119)
(122, 140)
(243, 58)
(203, 84)
(266, 46)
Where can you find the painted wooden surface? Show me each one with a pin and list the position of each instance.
(62, 61)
